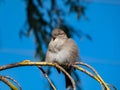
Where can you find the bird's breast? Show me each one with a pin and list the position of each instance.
(61, 57)
(56, 45)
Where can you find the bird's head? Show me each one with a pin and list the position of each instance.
(58, 33)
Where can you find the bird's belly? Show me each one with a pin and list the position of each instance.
(60, 57)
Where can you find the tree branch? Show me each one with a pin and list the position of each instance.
(95, 72)
(12, 79)
(3, 79)
(95, 76)
(50, 82)
(29, 63)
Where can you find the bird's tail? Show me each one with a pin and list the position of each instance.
(68, 82)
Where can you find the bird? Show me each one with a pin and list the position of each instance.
(62, 50)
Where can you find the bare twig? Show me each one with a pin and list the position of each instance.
(90, 67)
(3, 79)
(86, 71)
(95, 72)
(29, 63)
(96, 77)
(12, 79)
(44, 73)
(67, 74)
(112, 86)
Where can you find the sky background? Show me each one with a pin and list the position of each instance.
(103, 53)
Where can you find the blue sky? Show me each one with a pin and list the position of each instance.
(103, 53)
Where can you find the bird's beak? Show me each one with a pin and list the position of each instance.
(54, 38)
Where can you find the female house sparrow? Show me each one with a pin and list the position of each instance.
(62, 50)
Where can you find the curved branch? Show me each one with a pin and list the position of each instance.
(29, 63)
(13, 81)
(50, 82)
(96, 77)
(112, 86)
(95, 72)
(90, 67)
(3, 79)
(67, 74)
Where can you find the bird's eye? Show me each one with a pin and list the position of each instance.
(55, 34)
(61, 33)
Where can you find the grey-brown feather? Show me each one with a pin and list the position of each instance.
(62, 50)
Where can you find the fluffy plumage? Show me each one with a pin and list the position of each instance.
(62, 50)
